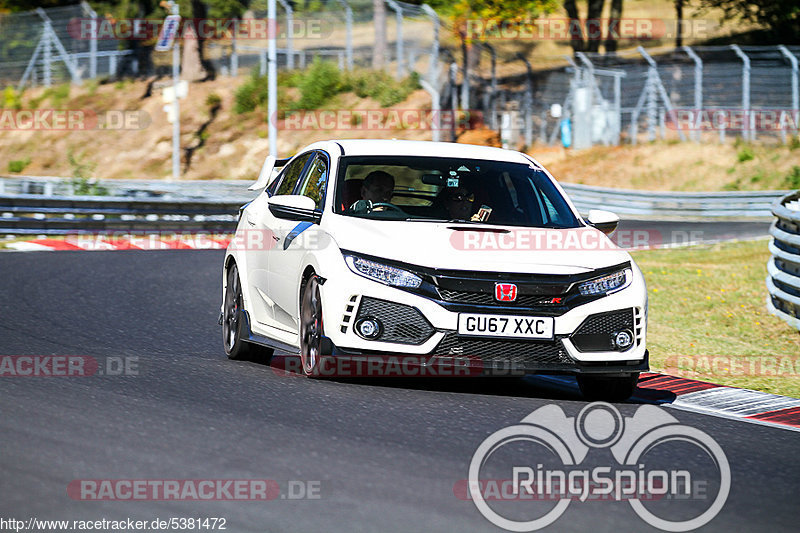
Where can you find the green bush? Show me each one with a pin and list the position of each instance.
(213, 100)
(381, 86)
(321, 82)
(250, 94)
(792, 179)
(18, 166)
(745, 154)
(11, 99)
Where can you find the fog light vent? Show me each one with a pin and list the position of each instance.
(369, 328)
(623, 339)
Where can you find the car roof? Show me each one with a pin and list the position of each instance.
(419, 148)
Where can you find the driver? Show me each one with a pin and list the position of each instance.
(378, 188)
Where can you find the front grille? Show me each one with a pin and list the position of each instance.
(484, 298)
(402, 324)
(594, 334)
(518, 352)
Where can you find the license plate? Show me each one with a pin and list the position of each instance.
(515, 326)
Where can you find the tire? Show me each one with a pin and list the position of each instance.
(232, 323)
(312, 348)
(611, 389)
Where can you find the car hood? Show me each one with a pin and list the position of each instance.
(454, 246)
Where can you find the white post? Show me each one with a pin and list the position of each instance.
(272, 79)
(348, 20)
(48, 43)
(176, 124)
(433, 69)
(795, 97)
(92, 40)
(399, 37)
(289, 33)
(698, 91)
(435, 109)
(748, 133)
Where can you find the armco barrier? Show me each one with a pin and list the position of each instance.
(783, 268)
(736, 204)
(30, 214)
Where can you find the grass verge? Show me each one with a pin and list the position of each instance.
(708, 318)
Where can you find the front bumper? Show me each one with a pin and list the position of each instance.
(418, 326)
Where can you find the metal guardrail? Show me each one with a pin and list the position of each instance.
(737, 204)
(30, 214)
(783, 268)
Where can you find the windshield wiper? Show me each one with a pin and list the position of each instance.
(451, 221)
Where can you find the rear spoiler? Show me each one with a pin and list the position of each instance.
(264, 176)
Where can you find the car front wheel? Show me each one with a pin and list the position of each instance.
(312, 349)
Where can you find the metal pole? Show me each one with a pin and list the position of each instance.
(348, 20)
(272, 79)
(453, 100)
(698, 91)
(176, 124)
(398, 13)
(527, 102)
(92, 40)
(289, 32)
(748, 133)
(617, 108)
(48, 43)
(433, 69)
(436, 109)
(795, 99)
(234, 56)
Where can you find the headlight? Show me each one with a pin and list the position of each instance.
(606, 284)
(396, 277)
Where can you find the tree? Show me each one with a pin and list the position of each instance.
(780, 17)
(593, 37)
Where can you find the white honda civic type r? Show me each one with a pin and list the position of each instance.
(432, 250)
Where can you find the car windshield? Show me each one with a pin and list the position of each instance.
(439, 189)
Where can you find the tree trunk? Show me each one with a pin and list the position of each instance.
(613, 26)
(192, 67)
(379, 21)
(679, 29)
(575, 30)
(594, 25)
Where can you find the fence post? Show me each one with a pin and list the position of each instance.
(527, 101)
(234, 56)
(748, 132)
(398, 13)
(48, 43)
(453, 100)
(617, 109)
(92, 40)
(658, 87)
(348, 20)
(262, 61)
(698, 92)
(795, 99)
(436, 109)
(433, 68)
(289, 32)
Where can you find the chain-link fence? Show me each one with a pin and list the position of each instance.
(45, 47)
(699, 93)
(703, 93)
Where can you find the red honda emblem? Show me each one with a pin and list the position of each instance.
(505, 292)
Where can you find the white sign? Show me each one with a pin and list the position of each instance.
(168, 32)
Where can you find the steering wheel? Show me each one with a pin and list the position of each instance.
(389, 207)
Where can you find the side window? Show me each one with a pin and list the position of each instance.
(291, 173)
(315, 180)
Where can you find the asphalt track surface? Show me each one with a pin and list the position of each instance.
(387, 452)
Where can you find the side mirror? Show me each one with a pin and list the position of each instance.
(605, 221)
(294, 207)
